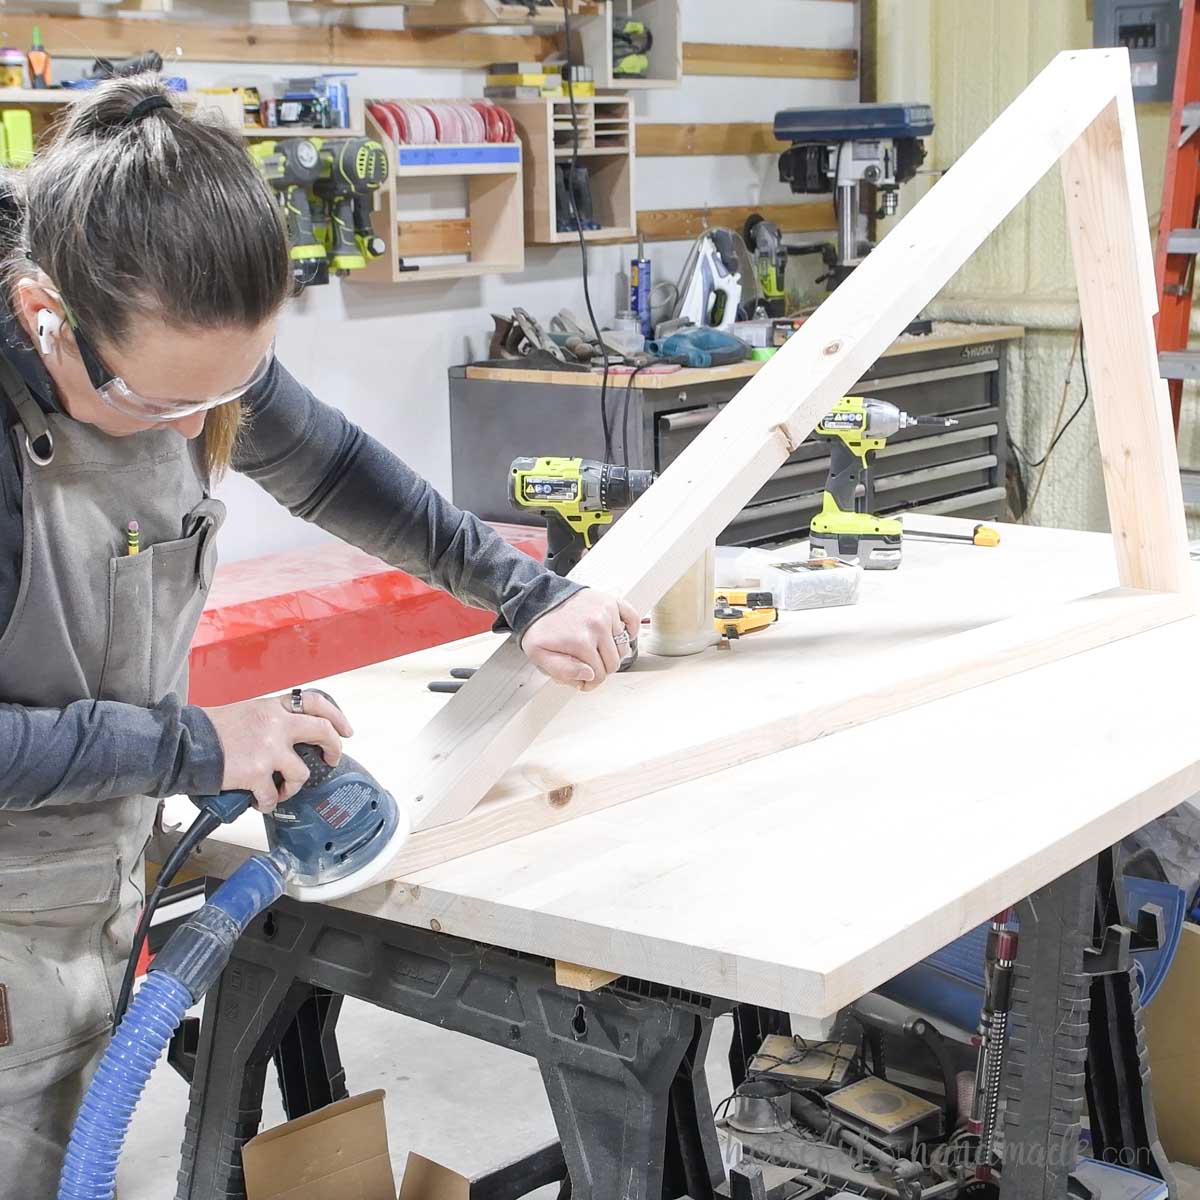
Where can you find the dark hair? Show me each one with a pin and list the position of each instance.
(155, 213)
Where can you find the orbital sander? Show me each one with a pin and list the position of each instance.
(336, 835)
(341, 829)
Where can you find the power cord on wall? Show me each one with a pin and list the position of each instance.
(1079, 348)
(583, 256)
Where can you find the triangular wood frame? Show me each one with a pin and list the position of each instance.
(1079, 112)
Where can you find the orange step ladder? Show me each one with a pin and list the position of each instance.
(1178, 231)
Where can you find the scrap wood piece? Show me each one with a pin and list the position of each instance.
(582, 979)
(473, 740)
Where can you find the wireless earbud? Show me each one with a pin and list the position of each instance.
(48, 325)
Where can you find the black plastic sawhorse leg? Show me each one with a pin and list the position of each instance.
(1046, 1051)
(307, 1060)
(1074, 991)
(623, 1066)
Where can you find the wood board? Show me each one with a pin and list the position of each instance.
(1082, 97)
(675, 721)
(181, 42)
(679, 224)
(970, 802)
(657, 140)
(765, 62)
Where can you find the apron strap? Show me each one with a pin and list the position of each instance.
(39, 441)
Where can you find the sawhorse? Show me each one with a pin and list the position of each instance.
(623, 1066)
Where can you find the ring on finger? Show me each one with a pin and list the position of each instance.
(622, 638)
(297, 700)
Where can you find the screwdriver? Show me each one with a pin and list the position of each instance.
(981, 535)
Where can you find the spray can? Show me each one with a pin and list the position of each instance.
(639, 289)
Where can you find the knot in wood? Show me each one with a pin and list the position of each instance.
(561, 797)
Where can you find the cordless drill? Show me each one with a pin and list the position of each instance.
(770, 262)
(291, 166)
(352, 170)
(577, 497)
(859, 428)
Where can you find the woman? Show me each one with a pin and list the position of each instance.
(145, 276)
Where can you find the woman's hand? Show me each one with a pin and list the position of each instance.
(575, 642)
(258, 737)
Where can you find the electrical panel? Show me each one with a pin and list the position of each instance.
(1150, 32)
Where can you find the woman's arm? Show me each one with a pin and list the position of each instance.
(325, 469)
(97, 750)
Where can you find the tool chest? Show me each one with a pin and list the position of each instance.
(958, 471)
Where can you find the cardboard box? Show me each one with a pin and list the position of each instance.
(336, 1153)
(1171, 1019)
(425, 1179)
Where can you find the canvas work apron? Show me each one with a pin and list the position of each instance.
(90, 622)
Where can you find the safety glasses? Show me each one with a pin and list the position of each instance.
(121, 398)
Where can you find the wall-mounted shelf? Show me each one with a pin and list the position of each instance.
(45, 104)
(661, 17)
(357, 124)
(606, 150)
(488, 239)
(308, 131)
(466, 14)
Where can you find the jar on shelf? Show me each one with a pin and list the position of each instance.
(12, 67)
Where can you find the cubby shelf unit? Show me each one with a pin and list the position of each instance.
(606, 148)
(594, 36)
(489, 233)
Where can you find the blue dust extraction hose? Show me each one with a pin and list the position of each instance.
(182, 972)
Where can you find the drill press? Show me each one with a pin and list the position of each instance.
(836, 150)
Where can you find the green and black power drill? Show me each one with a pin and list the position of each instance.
(352, 170)
(291, 166)
(859, 428)
(631, 43)
(765, 242)
(578, 498)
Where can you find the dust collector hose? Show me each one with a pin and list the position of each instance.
(182, 972)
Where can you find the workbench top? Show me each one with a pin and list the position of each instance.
(945, 336)
(802, 879)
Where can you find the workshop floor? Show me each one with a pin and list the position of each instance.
(462, 1102)
(459, 1101)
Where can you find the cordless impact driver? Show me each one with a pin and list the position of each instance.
(858, 428)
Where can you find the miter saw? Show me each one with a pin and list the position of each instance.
(836, 150)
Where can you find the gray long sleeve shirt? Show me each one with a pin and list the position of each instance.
(322, 468)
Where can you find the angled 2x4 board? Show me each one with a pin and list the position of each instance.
(1078, 110)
